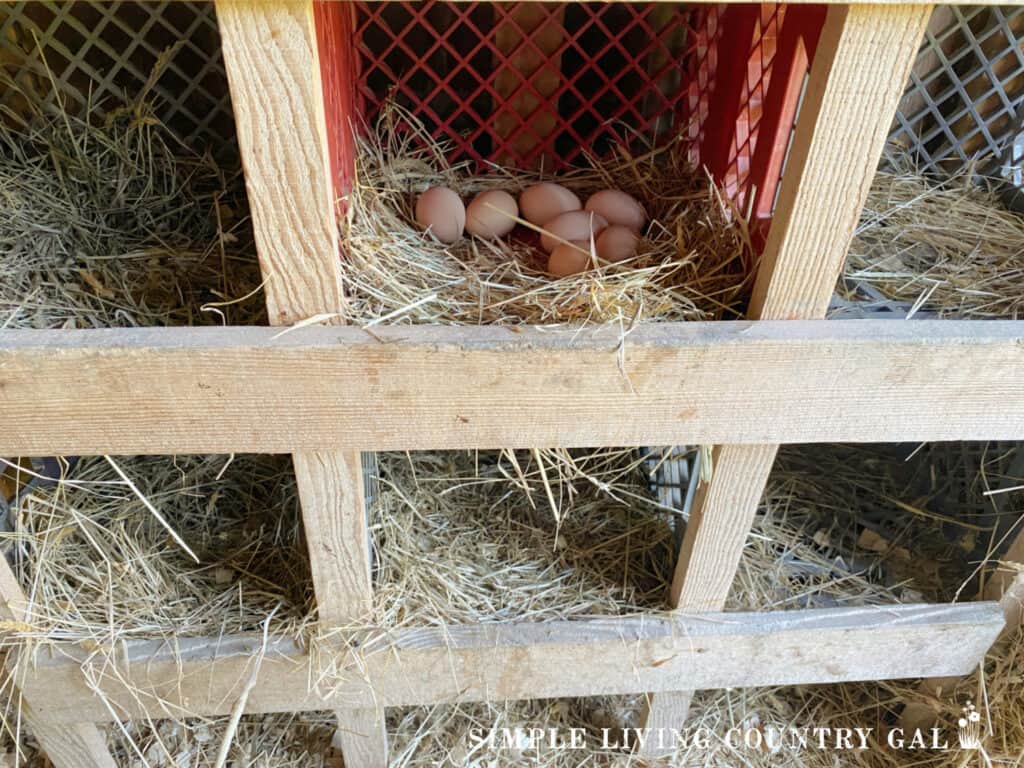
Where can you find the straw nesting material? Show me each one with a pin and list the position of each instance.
(459, 537)
(114, 222)
(694, 263)
(464, 537)
(98, 565)
(949, 247)
(488, 536)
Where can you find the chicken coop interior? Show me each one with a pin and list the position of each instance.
(480, 384)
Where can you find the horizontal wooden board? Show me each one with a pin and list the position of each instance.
(147, 391)
(512, 661)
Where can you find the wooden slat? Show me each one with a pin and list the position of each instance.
(858, 75)
(68, 745)
(859, 72)
(529, 660)
(273, 66)
(918, 712)
(721, 515)
(334, 517)
(273, 70)
(136, 391)
(331, 492)
(72, 744)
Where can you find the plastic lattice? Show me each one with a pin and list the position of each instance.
(107, 52)
(750, 66)
(532, 84)
(966, 95)
(523, 83)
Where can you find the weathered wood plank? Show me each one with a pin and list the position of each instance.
(273, 63)
(73, 744)
(274, 74)
(331, 492)
(528, 660)
(240, 389)
(858, 74)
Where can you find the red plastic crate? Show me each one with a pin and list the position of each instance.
(527, 84)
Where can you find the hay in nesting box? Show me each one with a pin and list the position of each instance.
(470, 537)
(695, 262)
(98, 565)
(949, 247)
(114, 222)
(462, 537)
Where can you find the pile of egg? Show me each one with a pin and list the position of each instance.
(611, 217)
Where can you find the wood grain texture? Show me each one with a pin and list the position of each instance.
(858, 74)
(138, 391)
(720, 521)
(274, 71)
(362, 737)
(333, 514)
(722, 514)
(73, 744)
(274, 74)
(529, 660)
(68, 745)
(921, 712)
(331, 492)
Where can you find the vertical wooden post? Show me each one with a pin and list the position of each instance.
(272, 60)
(80, 746)
(859, 72)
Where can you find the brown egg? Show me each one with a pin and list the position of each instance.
(574, 225)
(491, 214)
(617, 243)
(441, 211)
(543, 202)
(618, 208)
(568, 260)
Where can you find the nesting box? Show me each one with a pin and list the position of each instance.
(543, 84)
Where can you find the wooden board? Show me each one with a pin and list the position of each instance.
(331, 492)
(858, 74)
(273, 65)
(529, 660)
(721, 515)
(137, 391)
(74, 744)
(860, 70)
(274, 73)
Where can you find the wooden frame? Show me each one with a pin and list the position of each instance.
(249, 389)
(860, 69)
(155, 391)
(478, 662)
